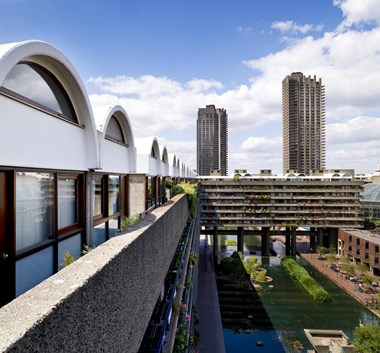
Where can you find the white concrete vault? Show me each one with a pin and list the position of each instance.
(115, 156)
(165, 168)
(69, 172)
(66, 146)
(148, 156)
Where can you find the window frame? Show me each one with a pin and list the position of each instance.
(105, 217)
(65, 232)
(57, 235)
(114, 140)
(36, 105)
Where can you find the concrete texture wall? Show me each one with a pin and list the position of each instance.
(136, 194)
(103, 301)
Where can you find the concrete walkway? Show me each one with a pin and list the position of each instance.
(338, 278)
(210, 324)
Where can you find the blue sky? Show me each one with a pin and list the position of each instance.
(163, 59)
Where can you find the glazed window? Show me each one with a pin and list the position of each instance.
(34, 209)
(34, 85)
(153, 153)
(97, 189)
(113, 194)
(113, 227)
(67, 203)
(114, 131)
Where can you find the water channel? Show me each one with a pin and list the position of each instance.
(291, 310)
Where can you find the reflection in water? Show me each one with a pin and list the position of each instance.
(290, 310)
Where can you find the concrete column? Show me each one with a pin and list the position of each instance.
(265, 241)
(320, 237)
(88, 209)
(293, 237)
(240, 239)
(287, 241)
(215, 244)
(137, 190)
(312, 242)
(333, 237)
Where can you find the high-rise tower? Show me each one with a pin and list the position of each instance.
(212, 140)
(303, 119)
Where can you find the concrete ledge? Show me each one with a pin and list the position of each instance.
(103, 301)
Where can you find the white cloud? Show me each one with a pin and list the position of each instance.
(354, 144)
(359, 12)
(144, 86)
(290, 26)
(184, 150)
(199, 85)
(347, 61)
(356, 130)
(348, 64)
(262, 145)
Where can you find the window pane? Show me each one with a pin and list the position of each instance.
(34, 82)
(114, 131)
(113, 194)
(97, 190)
(150, 179)
(99, 234)
(67, 203)
(113, 227)
(34, 209)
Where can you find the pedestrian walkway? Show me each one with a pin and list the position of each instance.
(349, 286)
(210, 323)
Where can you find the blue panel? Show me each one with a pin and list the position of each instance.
(33, 269)
(73, 245)
(99, 234)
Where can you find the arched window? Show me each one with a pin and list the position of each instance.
(153, 153)
(114, 131)
(32, 84)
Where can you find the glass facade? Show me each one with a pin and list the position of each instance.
(67, 203)
(34, 209)
(36, 84)
(113, 194)
(97, 202)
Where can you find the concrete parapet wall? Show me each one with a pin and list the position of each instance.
(103, 301)
(136, 194)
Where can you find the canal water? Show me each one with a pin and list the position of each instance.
(291, 309)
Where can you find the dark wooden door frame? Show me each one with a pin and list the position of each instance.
(7, 258)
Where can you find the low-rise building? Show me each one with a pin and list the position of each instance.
(361, 245)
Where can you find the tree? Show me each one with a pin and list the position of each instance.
(331, 258)
(349, 268)
(251, 266)
(321, 250)
(367, 338)
(332, 250)
(362, 267)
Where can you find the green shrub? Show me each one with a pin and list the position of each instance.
(176, 190)
(298, 273)
(261, 276)
(191, 192)
(251, 265)
(128, 221)
(67, 259)
(230, 243)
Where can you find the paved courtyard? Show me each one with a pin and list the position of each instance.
(339, 278)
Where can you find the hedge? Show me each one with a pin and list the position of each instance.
(297, 272)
